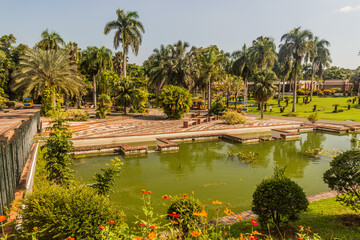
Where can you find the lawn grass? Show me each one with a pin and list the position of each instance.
(324, 108)
(328, 218)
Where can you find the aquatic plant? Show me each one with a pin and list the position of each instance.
(247, 157)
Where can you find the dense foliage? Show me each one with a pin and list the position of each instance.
(344, 177)
(233, 117)
(278, 199)
(175, 101)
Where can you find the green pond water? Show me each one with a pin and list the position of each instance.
(206, 169)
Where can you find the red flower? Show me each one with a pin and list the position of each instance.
(69, 238)
(142, 224)
(301, 239)
(152, 226)
(102, 227)
(2, 218)
(149, 192)
(143, 191)
(166, 197)
(174, 214)
(184, 195)
(112, 222)
(253, 222)
(252, 238)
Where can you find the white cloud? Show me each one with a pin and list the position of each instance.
(347, 9)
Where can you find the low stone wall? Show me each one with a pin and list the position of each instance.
(123, 148)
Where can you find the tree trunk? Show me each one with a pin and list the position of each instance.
(66, 102)
(283, 89)
(236, 99)
(79, 102)
(124, 61)
(295, 87)
(279, 89)
(94, 91)
(312, 79)
(227, 99)
(262, 109)
(358, 93)
(125, 108)
(245, 89)
(209, 95)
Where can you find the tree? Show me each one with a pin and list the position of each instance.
(50, 41)
(47, 69)
(125, 92)
(264, 87)
(263, 52)
(175, 101)
(128, 33)
(94, 62)
(243, 66)
(343, 176)
(278, 199)
(296, 44)
(324, 61)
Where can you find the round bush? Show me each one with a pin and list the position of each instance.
(233, 117)
(185, 206)
(344, 177)
(60, 212)
(278, 199)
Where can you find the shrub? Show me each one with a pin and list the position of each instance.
(313, 117)
(62, 212)
(10, 104)
(77, 115)
(233, 117)
(278, 199)
(344, 177)
(104, 106)
(185, 206)
(328, 92)
(217, 107)
(175, 101)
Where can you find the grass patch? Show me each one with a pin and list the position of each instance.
(327, 217)
(324, 107)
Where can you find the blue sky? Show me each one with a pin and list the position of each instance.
(226, 23)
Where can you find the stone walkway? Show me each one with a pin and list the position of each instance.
(156, 123)
(247, 215)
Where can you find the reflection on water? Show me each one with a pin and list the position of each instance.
(207, 169)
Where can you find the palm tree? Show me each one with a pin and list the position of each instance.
(50, 41)
(319, 47)
(297, 43)
(47, 69)
(263, 52)
(128, 33)
(125, 90)
(243, 66)
(264, 87)
(323, 60)
(94, 62)
(118, 63)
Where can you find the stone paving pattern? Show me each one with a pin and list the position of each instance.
(156, 123)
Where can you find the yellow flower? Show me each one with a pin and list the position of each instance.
(228, 211)
(216, 202)
(195, 233)
(240, 218)
(203, 213)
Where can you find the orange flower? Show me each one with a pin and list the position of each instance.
(174, 222)
(35, 228)
(252, 238)
(228, 211)
(166, 197)
(138, 238)
(152, 235)
(301, 239)
(240, 218)
(195, 233)
(2, 218)
(308, 229)
(301, 227)
(203, 213)
(256, 232)
(149, 192)
(216, 202)
(112, 222)
(102, 227)
(241, 236)
(184, 195)
(143, 191)
(69, 238)
(253, 222)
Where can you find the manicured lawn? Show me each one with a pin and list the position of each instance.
(328, 218)
(324, 106)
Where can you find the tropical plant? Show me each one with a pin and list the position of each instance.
(104, 106)
(125, 92)
(217, 107)
(128, 33)
(233, 117)
(40, 70)
(50, 41)
(57, 153)
(296, 44)
(93, 62)
(313, 117)
(263, 52)
(278, 199)
(264, 87)
(343, 176)
(175, 101)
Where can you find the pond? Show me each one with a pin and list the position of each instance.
(213, 171)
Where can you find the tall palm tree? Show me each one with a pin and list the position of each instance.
(95, 61)
(264, 87)
(128, 32)
(47, 69)
(118, 63)
(323, 60)
(318, 47)
(50, 41)
(296, 44)
(243, 66)
(263, 52)
(125, 89)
